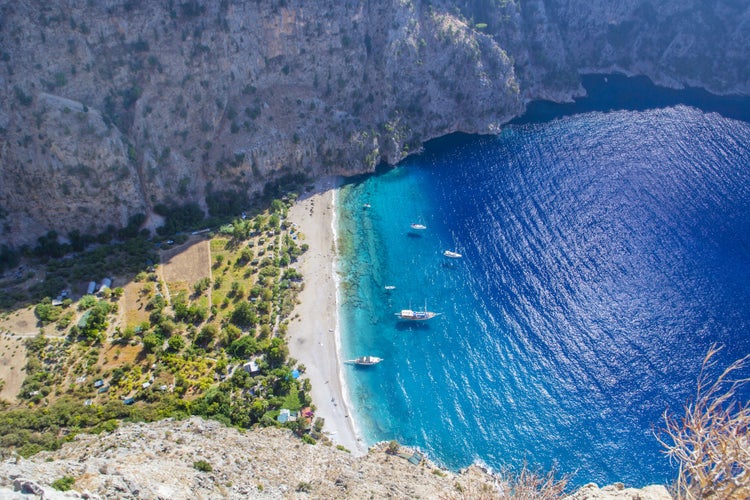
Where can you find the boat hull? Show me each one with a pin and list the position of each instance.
(365, 361)
(409, 315)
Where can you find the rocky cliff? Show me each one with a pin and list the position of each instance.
(160, 460)
(108, 108)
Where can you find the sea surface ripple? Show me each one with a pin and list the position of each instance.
(603, 253)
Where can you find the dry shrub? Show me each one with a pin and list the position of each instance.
(710, 441)
(529, 484)
(526, 484)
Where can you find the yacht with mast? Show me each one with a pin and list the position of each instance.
(412, 315)
(365, 361)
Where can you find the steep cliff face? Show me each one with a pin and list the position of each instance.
(108, 108)
(111, 107)
(675, 43)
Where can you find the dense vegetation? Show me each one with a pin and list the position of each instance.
(181, 348)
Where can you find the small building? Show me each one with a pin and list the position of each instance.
(106, 283)
(92, 288)
(129, 401)
(146, 385)
(99, 383)
(251, 367)
(283, 416)
(103, 389)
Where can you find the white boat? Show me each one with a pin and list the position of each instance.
(417, 226)
(389, 287)
(452, 255)
(412, 315)
(366, 205)
(365, 361)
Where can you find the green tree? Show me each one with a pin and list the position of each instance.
(176, 343)
(95, 321)
(206, 335)
(151, 342)
(218, 260)
(277, 206)
(230, 334)
(46, 312)
(243, 347)
(265, 331)
(276, 352)
(244, 316)
(201, 285)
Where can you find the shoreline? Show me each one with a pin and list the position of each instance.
(314, 330)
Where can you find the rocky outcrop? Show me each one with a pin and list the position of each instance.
(159, 460)
(618, 491)
(108, 108)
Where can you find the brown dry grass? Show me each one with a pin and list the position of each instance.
(710, 441)
(12, 362)
(133, 305)
(117, 355)
(187, 263)
(21, 322)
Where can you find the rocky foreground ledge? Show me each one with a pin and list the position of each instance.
(162, 460)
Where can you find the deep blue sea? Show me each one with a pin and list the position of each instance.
(603, 253)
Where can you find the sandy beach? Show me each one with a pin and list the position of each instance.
(313, 336)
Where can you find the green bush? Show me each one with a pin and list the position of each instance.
(304, 487)
(65, 483)
(151, 342)
(176, 343)
(86, 302)
(46, 312)
(22, 97)
(202, 466)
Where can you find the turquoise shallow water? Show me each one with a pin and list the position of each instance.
(602, 254)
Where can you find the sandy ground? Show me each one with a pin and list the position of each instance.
(313, 337)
